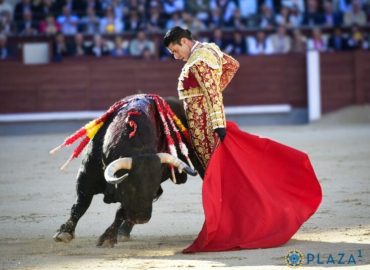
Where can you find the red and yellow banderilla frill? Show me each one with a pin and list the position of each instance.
(171, 123)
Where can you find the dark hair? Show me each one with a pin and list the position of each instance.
(175, 35)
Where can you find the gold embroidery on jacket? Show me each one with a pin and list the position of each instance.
(201, 131)
(209, 81)
(206, 52)
(213, 71)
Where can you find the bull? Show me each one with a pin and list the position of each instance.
(128, 168)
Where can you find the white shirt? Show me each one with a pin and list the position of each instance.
(195, 45)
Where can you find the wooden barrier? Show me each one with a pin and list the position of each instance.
(95, 84)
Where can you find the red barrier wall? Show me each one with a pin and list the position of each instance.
(94, 84)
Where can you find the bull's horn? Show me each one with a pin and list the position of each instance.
(178, 163)
(115, 166)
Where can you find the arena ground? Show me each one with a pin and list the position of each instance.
(35, 198)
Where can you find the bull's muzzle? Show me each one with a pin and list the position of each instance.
(126, 163)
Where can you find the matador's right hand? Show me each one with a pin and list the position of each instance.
(221, 132)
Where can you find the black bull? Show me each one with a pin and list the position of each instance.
(142, 183)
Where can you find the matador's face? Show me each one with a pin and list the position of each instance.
(181, 51)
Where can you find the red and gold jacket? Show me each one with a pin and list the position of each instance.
(207, 73)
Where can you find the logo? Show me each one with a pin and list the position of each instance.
(294, 258)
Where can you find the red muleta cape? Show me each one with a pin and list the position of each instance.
(256, 194)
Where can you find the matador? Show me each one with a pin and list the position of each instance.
(203, 78)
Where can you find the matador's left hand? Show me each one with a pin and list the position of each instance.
(221, 132)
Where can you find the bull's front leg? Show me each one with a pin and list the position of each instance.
(66, 232)
(125, 230)
(109, 237)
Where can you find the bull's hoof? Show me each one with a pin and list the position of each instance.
(124, 238)
(106, 242)
(64, 237)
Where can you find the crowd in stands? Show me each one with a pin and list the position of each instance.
(101, 28)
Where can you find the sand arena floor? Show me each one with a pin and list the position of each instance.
(35, 199)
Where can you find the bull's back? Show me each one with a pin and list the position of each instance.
(133, 130)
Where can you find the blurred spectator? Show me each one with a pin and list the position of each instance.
(341, 5)
(216, 19)
(218, 38)
(227, 8)
(5, 23)
(74, 6)
(99, 47)
(60, 48)
(192, 23)
(199, 9)
(155, 22)
(346, 5)
(355, 15)
(110, 24)
(298, 42)
(118, 8)
(299, 4)
(283, 18)
(96, 6)
(357, 40)
(21, 8)
(274, 5)
(337, 42)
(312, 16)
(147, 54)
(317, 41)
(138, 5)
(248, 8)
(237, 46)
(43, 9)
(296, 17)
(267, 18)
(68, 22)
(173, 6)
(27, 27)
(121, 47)
(331, 18)
(79, 47)
(154, 3)
(260, 44)
(49, 26)
(4, 49)
(90, 23)
(140, 44)
(155, 16)
(133, 22)
(237, 22)
(281, 42)
(175, 20)
(5, 7)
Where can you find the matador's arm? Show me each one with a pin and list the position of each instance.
(229, 68)
(209, 82)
